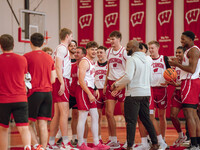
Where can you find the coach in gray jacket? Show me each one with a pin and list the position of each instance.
(137, 82)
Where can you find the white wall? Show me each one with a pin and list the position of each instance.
(69, 19)
(68, 16)
(8, 25)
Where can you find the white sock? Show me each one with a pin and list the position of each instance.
(59, 134)
(99, 137)
(74, 136)
(85, 141)
(180, 134)
(144, 140)
(95, 124)
(114, 139)
(52, 140)
(27, 146)
(160, 139)
(81, 125)
(109, 138)
(65, 139)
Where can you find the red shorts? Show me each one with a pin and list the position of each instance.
(100, 101)
(190, 90)
(120, 95)
(56, 88)
(151, 101)
(160, 97)
(176, 99)
(83, 101)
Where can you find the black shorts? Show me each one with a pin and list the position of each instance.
(72, 102)
(40, 106)
(19, 111)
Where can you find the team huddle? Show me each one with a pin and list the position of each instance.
(43, 85)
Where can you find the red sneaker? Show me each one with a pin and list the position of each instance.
(84, 147)
(101, 147)
(51, 147)
(38, 147)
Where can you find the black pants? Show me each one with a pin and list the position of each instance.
(134, 106)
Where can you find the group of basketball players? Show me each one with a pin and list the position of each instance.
(72, 79)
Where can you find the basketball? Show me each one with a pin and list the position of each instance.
(170, 74)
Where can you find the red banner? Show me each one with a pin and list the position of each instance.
(165, 26)
(85, 22)
(192, 18)
(137, 20)
(111, 19)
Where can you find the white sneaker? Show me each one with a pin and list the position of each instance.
(163, 146)
(125, 145)
(192, 148)
(113, 145)
(180, 141)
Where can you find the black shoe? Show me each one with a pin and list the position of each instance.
(60, 140)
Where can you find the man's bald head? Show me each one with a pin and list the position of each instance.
(132, 46)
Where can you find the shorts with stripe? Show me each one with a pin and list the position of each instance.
(83, 101)
(160, 97)
(40, 106)
(19, 111)
(100, 101)
(120, 96)
(190, 90)
(56, 88)
(176, 99)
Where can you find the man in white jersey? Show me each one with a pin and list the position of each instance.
(117, 56)
(190, 84)
(61, 91)
(100, 76)
(159, 65)
(86, 98)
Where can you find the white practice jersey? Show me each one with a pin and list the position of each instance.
(89, 75)
(62, 52)
(116, 62)
(100, 75)
(158, 67)
(187, 75)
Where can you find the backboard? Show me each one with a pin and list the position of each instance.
(31, 22)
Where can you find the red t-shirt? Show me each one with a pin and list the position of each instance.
(13, 67)
(74, 76)
(40, 65)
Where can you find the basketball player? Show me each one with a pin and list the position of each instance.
(72, 50)
(78, 55)
(13, 98)
(116, 56)
(100, 76)
(42, 70)
(190, 83)
(159, 65)
(61, 91)
(48, 50)
(176, 104)
(86, 99)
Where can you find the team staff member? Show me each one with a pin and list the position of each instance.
(42, 70)
(13, 97)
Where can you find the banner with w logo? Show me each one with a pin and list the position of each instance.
(165, 26)
(192, 18)
(111, 19)
(85, 22)
(137, 20)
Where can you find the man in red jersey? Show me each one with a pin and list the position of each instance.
(13, 97)
(42, 70)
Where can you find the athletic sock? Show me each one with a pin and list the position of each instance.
(193, 141)
(85, 141)
(160, 139)
(114, 139)
(74, 136)
(99, 137)
(144, 140)
(65, 139)
(180, 134)
(52, 140)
